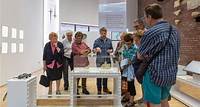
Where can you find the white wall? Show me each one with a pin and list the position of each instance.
(1, 74)
(79, 11)
(53, 24)
(28, 16)
(131, 13)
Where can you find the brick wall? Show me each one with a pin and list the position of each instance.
(189, 29)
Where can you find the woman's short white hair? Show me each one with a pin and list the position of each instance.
(68, 31)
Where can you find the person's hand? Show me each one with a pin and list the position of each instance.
(98, 49)
(129, 62)
(55, 45)
(109, 50)
(58, 49)
(82, 52)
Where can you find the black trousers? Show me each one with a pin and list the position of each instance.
(68, 62)
(131, 86)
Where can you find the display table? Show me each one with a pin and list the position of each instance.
(22, 92)
(94, 72)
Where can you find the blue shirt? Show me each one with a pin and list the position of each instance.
(104, 45)
(164, 67)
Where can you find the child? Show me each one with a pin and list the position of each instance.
(128, 72)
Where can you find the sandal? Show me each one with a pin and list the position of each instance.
(124, 99)
(130, 104)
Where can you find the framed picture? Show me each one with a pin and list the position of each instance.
(115, 36)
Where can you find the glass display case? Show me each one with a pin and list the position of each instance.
(93, 66)
(187, 86)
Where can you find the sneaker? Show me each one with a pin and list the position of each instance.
(107, 91)
(129, 104)
(139, 101)
(99, 93)
(85, 91)
(78, 94)
(66, 88)
(58, 92)
(50, 93)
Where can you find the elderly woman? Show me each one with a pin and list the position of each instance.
(80, 50)
(53, 61)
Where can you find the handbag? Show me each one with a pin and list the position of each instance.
(44, 81)
(141, 66)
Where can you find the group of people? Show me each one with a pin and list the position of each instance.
(58, 57)
(160, 43)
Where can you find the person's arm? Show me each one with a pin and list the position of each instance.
(110, 50)
(88, 50)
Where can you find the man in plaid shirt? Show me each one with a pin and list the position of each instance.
(162, 70)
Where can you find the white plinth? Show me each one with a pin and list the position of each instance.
(22, 92)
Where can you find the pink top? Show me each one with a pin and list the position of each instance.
(51, 65)
(79, 59)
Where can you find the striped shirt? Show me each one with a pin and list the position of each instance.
(163, 69)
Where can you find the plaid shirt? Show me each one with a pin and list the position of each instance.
(163, 69)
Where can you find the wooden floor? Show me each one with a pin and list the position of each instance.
(46, 101)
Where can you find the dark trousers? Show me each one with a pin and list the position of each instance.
(99, 83)
(68, 63)
(83, 82)
(131, 88)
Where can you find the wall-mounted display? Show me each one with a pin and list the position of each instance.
(4, 31)
(13, 47)
(21, 34)
(14, 33)
(4, 49)
(21, 47)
